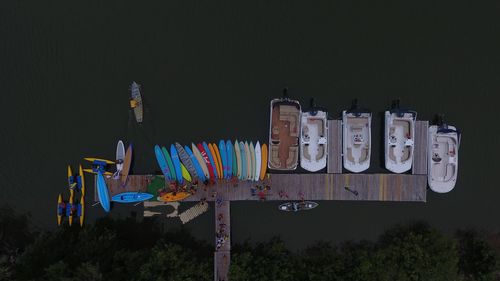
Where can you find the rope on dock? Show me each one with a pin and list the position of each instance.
(193, 212)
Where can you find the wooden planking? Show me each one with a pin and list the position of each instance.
(223, 254)
(334, 163)
(420, 150)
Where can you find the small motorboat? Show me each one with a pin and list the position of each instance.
(313, 138)
(136, 101)
(298, 206)
(284, 129)
(444, 141)
(399, 138)
(356, 144)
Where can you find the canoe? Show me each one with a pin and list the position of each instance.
(126, 165)
(120, 156)
(238, 158)
(171, 196)
(131, 197)
(223, 158)
(169, 163)
(186, 160)
(81, 180)
(243, 161)
(92, 171)
(249, 161)
(162, 162)
(81, 211)
(206, 158)
(263, 166)
(136, 101)
(218, 160)
(102, 192)
(185, 173)
(258, 159)
(211, 159)
(99, 160)
(195, 163)
(251, 147)
(200, 160)
(229, 159)
(177, 164)
(60, 209)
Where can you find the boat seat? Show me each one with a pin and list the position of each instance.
(349, 156)
(450, 171)
(292, 157)
(321, 152)
(305, 153)
(364, 155)
(274, 159)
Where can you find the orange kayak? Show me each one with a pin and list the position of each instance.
(169, 197)
(263, 166)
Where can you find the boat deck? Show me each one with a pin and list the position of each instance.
(284, 146)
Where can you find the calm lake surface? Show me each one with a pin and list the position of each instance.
(209, 70)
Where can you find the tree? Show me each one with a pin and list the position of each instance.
(477, 259)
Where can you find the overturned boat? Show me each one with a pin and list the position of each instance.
(444, 141)
(399, 138)
(297, 206)
(313, 138)
(284, 134)
(356, 138)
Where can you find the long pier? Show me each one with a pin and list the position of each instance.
(332, 185)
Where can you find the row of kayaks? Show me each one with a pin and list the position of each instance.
(72, 207)
(294, 133)
(208, 162)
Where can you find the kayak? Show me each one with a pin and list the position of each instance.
(169, 163)
(263, 166)
(177, 164)
(200, 160)
(162, 162)
(297, 206)
(60, 209)
(131, 197)
(81, 180)
(216, 159)
(126, 165)
(71, 185)
(171, 196)
(249, 161)
(185, 173)
(81, 211)
(251, 147)
(222, 152)
(206, 157)
(102, 192)
(196, 165)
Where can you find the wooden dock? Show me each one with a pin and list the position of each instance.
(333, 185)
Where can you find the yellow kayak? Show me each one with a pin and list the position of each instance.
(99, 159)
(185, 173)
(60, 210)
(82, 179)
(169, 197)
(90, 171)
(82, 215)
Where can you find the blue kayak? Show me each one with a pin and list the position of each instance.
(177, 164)
(131, 197)
(229, 159)
(211, 158)
(197, 166)
(243, 161)
(102, 192)
(222, 151)
(162, 162)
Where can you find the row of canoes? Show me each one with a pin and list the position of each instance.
(207, 162)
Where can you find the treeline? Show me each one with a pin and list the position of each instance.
(130, 250)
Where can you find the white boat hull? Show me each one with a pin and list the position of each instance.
(399, 141)
(356, 141)
(443, 159)
(313, 141)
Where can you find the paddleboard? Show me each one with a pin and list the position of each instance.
(263, 166)
(95, 172)
(81, 180)
(200, 160)
(186, 160)
(206, 159)
(81, 211)
(170, 197)
(177, 164)
(162, 162)
(249, 161)
(211, 159)
(102, 192)
(131, 197)
(120, 156)
(212, 148)
(126, 165)
(60, 209)
(196, 165)
(238, 158)
(185, 173)
(258, 159)
(252, 161)
(169, 163)
(243, 161)
(229, 158)
(99, 160)
(222, 152)
(235, 164)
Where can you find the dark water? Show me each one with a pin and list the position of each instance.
(209, 69)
